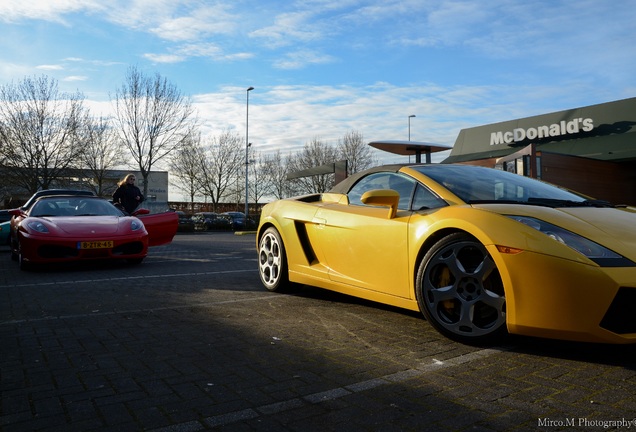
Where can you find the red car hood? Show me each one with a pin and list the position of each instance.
(89, 226)
(160, 227)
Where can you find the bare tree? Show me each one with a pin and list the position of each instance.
(5, 193)
(314, 154)
(274, 175)
(153, 119)
(187, 167)
(257, 186)
(358, 155)
(39, 131)
(101, 153)
(236, 191)
(221, 165)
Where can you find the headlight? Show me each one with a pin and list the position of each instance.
(37, 226)
(136, 225)
(594, 251)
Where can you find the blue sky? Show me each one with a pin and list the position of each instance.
(322, 68)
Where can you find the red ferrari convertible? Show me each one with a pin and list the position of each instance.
(65, 228)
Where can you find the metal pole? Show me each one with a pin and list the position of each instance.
(247, 148)
(410, 117)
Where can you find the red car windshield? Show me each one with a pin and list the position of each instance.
(73, 206)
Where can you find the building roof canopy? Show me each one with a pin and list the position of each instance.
(598, 131)
(408, 148)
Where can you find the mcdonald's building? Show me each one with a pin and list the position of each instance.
(591, 149)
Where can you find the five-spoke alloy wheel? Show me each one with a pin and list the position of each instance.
(272, 262)
(460, 291)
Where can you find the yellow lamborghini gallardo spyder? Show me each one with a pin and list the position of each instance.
(479, 251)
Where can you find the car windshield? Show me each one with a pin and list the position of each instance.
(73, 206)
(477, 185)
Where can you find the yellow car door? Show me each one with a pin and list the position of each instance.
(365, 248)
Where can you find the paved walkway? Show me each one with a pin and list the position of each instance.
(190, 341)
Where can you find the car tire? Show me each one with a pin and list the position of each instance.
(272, 262)
(24, 265)
(460, 292)
(14, 249)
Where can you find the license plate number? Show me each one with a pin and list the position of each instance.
(107, 244)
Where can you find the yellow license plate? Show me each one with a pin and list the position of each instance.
(107, 244)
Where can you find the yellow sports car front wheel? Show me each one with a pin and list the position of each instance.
(460, 292)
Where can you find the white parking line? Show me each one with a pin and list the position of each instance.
(332, 394)
(131, 311)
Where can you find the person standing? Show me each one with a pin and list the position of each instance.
(127, 194)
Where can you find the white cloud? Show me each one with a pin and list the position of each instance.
(578, 51)
(47, 10)
(198, 24)
(288, 28)
(200, 50)
(286, 117)
(184, 52)
(11, 71)
(72, 78)
(239, 56)
(301, 59)
(164, 58)
(49, 67)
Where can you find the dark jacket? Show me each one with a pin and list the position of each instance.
(126, 195)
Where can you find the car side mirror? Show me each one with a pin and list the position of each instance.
(384, 198)
(141, 211)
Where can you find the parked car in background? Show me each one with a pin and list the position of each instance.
(186, 224)
(5, 227)
(5, 216)
(237, 220)
(210, 221)
(64, 228)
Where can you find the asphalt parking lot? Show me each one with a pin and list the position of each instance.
(189, 341)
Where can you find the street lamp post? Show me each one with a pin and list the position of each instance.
(410, 117)
(247, 150)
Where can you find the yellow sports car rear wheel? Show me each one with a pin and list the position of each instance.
(272, 262)
(460, 292)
